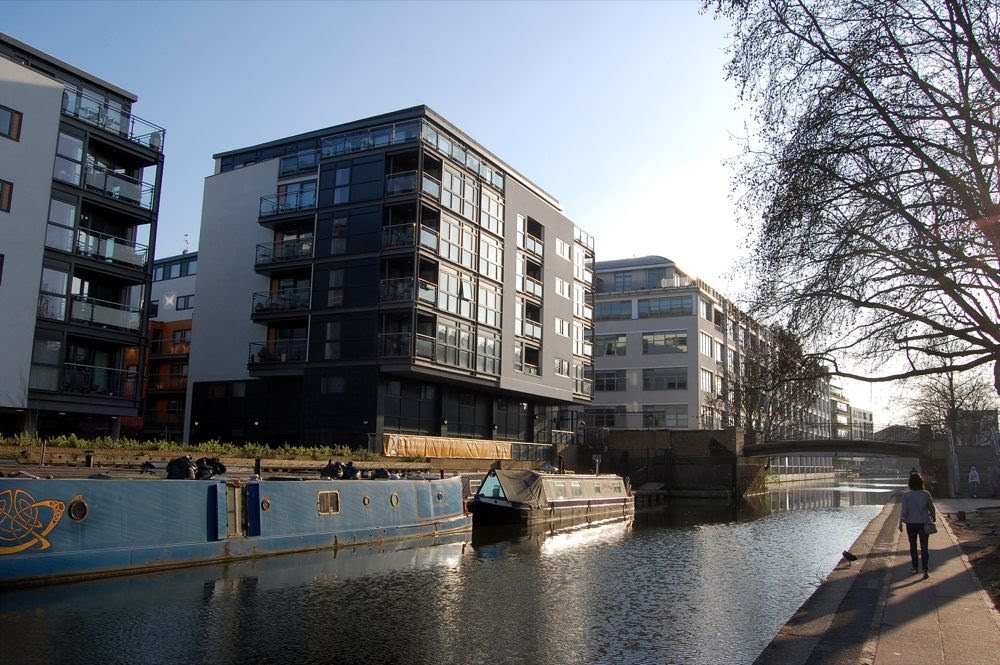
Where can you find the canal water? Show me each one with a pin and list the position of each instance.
(690, 584)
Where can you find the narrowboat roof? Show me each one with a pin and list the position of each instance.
(529, 487)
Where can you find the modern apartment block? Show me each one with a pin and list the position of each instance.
(171, 309)
(79, 191)
(388, 275)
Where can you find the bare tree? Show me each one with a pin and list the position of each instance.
(871, 179)
(963, 403)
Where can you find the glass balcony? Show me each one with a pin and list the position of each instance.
(532, 329)
(168, 347)
(532, 286)
(96, 380)
(428, 238)
(111, 249)
(427, 292)
(105, 314)
(367, 139)
(168, 382)
(425, 347)
(281, 301)
(583, 386)
(396, 290)
(400, 183)
(399, 235)
(286, 250)
(300, 163)
(120, 187)
(530, 369)
(431, 187)
(277, 204)
(278, 351)
(395, 345)
(533, 244)
(112, 118)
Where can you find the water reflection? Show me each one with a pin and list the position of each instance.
(693, 584)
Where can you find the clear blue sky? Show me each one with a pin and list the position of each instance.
(620, 110)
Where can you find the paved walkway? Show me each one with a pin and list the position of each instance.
(873, 611)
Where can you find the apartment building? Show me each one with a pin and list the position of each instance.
(171, 307)
(79, 191)
(386, 275)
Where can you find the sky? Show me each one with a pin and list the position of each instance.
(620, 110)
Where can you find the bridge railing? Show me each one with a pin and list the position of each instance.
(835, 431)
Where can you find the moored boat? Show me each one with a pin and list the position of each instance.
(531, 498)
(65, 529)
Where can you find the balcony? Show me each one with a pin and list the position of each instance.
(532, 244)
(96, 380)
(367, 139)
(105, 314)
(531, 329)
(395, 345)
(431, 187)
(398, 235)
(111, 249)
(277, 352)
(167, 382)
(427, 292)
(279, 204)
(400, 183)
(120, 187)
(583, 386)
(426, 347)
(428, 238)
(112, 119)
(287, 250)
(530, 369)
(287, 300)
(531, 286)
(396, 290)
(169, 347)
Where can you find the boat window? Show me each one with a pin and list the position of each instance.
(328, 503)
(560, 489)
(576, 489)
(597, 488)
(616, 487)
(491, 488)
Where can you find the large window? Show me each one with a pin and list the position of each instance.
(489, 305)
(454, 345)
(10, 123)
(664, 342)
(491, 212)
(611, 311)
(664, 378)
(458, 193)
(358, 180)
(458, 242)
(455, 293)
(491, 258)
(69, 159)
(487, 354)
(610, 345)
(52, 296)
(664, 415)
(668, 306)
(609, 416)
(623, 281)
(609, 380)
(705, 344)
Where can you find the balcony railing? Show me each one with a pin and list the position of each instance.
(115, 120)
(400, 183)
(427, 292)
(366, 139)
(168, 382)
(286, 250)
(396, 290)
(530, 369)
(120, 187)
(300, 163)
(428, 238)
(398, 235)
(426, 347)
(532, 286)
(105, 314)
(278, 351)
(95, 380)
(277, 204)
(531, 329)
(431, 187)
(583, 386)
(533, 244)
(395, 345)
(281, 301)
(111, 249)
(168, 347)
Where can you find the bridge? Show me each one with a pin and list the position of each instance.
(897, 441)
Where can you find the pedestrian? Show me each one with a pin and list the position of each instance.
(917, 513)
(973, 482)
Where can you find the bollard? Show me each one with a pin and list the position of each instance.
(89, 458)
(256, 466)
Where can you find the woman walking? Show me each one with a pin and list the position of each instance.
(918, 511)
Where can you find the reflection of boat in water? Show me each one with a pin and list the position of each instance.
(532, 498)
(67, 529)
(496, 539)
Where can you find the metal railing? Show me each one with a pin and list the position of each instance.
(110, 248)
(276, 204)
(366, 139)
(277, 352)
(531, 329)
(431, 187)
(105, 314)
(119, 187)
(531, 285)
(96, 380)
(425, 346)
(398, 235)
(169, 347)
(286, 250)
(281, 301)
(532, 244)
(99, 113)
(396, 290)
(167, 382)
(428, 238)
(400, 183)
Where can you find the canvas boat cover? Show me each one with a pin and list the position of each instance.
(521, 486)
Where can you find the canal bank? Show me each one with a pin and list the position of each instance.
(872, 611)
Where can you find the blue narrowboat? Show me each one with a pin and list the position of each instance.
(54, 530)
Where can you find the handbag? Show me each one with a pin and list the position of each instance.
(930, 527)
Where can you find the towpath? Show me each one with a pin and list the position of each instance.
(873, 611)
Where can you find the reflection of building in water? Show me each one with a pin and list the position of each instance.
(802, 467)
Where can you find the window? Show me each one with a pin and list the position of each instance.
(182, 336)
(488, 306)
(610, 345)
(562, 327)
(562, 287)
(668, 306)
(328, 503)
(491, 212)
(623, 281)
(707, 381)
(664, 378)
(491, 258)
(664, 415)
(664, 342)
(6, 192)
(62, 220)
(613, 416)
(10, 123)
(185, 302)
(609, 380)
(1, 268)
(611, 311)
(563, 249)
(487, 354)
(154, 309)
(561, 367)
(69, 159)
(705, 344)
(332, 385)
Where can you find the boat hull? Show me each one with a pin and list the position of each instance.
(61, 530)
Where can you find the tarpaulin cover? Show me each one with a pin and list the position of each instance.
(409, 445)
(521, 486)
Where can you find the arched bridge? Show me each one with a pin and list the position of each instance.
(898, 441)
